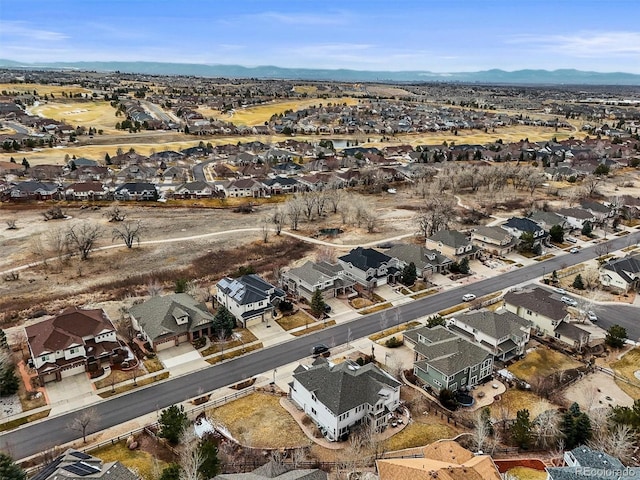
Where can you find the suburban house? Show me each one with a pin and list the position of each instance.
(136, 191)
(548, 219)
(453, 244)
(517, 226)
(502, 333)
(548, 315)
(444, 360)
(276, 471)
(166, 321)
(244, 187)
(369, 267)
(441, 460)
(86, 191)
(196, 189)
(34, 190)
(338, 397)
(426, 261)
(584, 463)
(76, 465)
(72, 342)
(249, 297)
(493, 240)
(621, 274)
(329, 278)
(601, 212)
(280, 185)
(576, 217)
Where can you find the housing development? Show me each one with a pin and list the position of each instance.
(249, 278)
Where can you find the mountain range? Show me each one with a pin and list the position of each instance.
(494, 76)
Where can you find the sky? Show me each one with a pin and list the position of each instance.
(383, 35)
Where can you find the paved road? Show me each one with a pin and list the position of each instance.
(198, 171)
(623, 315)
(37, 437)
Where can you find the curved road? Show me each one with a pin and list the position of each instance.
(36, 437)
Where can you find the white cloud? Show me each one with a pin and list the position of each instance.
(304, 19)
(25, 30)
(585, 44)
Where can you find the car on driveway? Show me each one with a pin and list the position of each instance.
(592, 316)
(574, 250)
(569, 301)
(559, 290)
(467, 297)
(320, 349)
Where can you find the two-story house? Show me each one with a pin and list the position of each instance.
(502, 333)
(444, 360)
(198, 189)
(85, 191)
(548, 315)
(169, 320)
(426, 261)
(547, 220)
(577, 217)
(453, 244)
(136, 191)
(493, 240)
(601, 212)
(70, 343)
(621, 274)
(518, 226)
(370, 268)
(249, 297)
(244, 187)
(338, 397)
(327, 277)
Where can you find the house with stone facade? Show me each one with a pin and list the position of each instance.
(329, 278)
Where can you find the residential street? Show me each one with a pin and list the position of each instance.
(39, 436)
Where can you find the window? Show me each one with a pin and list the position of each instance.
(529, 312)
(437, 383)
(474, 368)
(557, 335)
(73, 350)
(313, 410)
(463, 381)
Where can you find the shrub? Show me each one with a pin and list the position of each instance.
(393, 342)
(285, 306)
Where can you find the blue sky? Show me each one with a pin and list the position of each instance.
(439, 36)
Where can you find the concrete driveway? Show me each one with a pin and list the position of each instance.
(182, 359)
(70, 393)
(338, 306)
(388, 293)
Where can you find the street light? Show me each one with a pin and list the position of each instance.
(275, 370)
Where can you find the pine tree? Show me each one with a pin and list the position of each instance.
(409, 274)
(317, 303)
(578, 283)
(521, 429)
(224, 321)
(9, 470)
(172, 422)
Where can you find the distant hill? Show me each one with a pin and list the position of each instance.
(495, 76)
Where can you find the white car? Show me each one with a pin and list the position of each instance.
(569, 301)
(468, 297)
(559, 290)
(574, 250)
(592, 316)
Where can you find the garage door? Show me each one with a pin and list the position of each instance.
(183, 338)
(165, 345)
(73, 371)
(50, 377)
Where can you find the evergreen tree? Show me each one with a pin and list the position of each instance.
(616, 335)
(25, 163)
(173, 421)
(409, 274)
(9, 470)
(317, 303)
(557, 234)
(3, 340)
(224, 321)
(107, 159)
(171, 472)
(576, 427)
(587, 229)
(9, 382)
(211, 464)
(463, 266)
(578, 283)
(521, 429)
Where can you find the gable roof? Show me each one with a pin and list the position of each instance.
(248, 289)
(547, 218)
(157, 316)
(76, 465)
(344, 386)
(451, 238)
(495, 324)
(625, 267)
(522, 224)
(578, 213)
(538, 300)
(66, 329)
(419, 255)
(495, 233)
(365, 258)
(136, 187)
(273, 470)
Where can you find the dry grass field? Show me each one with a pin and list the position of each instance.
(98, 114)
(258, 420)
(513, 400)
(139, 460)
(298, 319)
(43, 89)
(525, 473)
(542, 362)
(257, 115)
(417, 434)
(626, 368)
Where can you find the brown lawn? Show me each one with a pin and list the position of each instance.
(142, 462)
(542, 362)
(298, 319)
(626, 368)
(513, 400)
(417, 434)
(258, 420)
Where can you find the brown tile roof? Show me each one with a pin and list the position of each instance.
(65, 329)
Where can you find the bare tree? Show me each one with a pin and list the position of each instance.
(124, 328)
(38, 249)
(58, 242)
(591, 278)
(294, 208)
(11, 224)
(278, 219)
(128, 232)
(435, 215)
(190, 456)
(618, 441)
(298, 455)
(115, 214)
(481, 431)
(309, 201)
(265, 230)
(335, 196)
(83, 421)
(83, 237)
(590, 184)
(546, 428)
(154, 288)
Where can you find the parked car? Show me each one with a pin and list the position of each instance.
(467, 297)
(571, 239)
(327, 308)
(574, 250)
(320, 349)
(559, 290)
(592, 316)
(569, 301)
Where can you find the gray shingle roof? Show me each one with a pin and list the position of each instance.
(157, 316)
(421, 256)
(538, 300)
(365, 258)
(452, 238)
(624, 267)
(495, 232)
(343, 387)
(69, 465)
(495, 324)
(548, 218)
(572, 331)
(451, 355)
